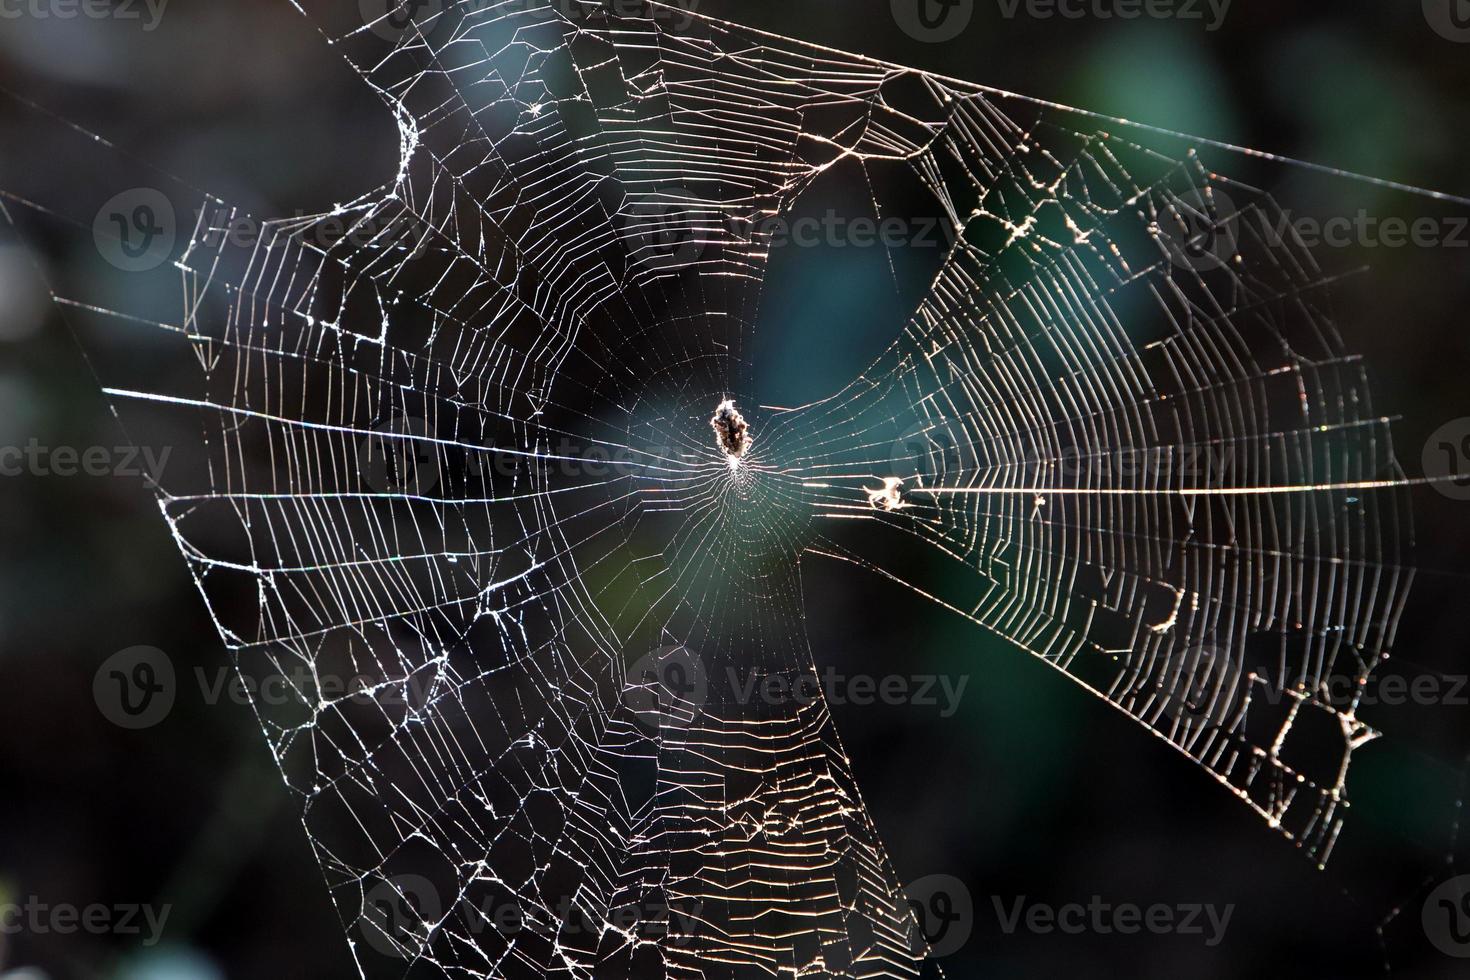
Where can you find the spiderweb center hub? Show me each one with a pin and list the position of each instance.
(732, 432)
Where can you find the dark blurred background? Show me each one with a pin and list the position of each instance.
(1033, 788)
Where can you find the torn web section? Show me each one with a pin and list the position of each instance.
(1125, 406)
(343, 518)
(346, 533)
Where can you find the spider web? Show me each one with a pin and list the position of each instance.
(1120, 415)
